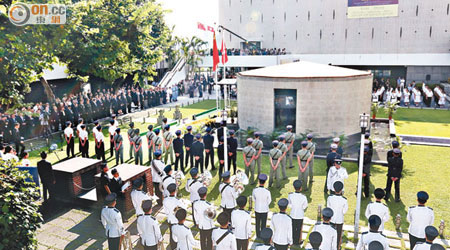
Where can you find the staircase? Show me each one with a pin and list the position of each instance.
(175, 75)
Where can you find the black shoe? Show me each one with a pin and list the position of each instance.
(397, 200)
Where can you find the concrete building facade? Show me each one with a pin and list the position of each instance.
(327, 100)
(321, 27)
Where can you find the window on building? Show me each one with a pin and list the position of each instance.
(285, 103)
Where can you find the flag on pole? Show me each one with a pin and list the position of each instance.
(201, 26)
(223, 49)
(216, 59)
(211, 29)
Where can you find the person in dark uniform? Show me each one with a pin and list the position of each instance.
(220, 155)
(197, 151)
(395, 168)
(208, 140)
(188, 140)
(45, 172)
(104, 181)
(220, 131)
(115, 185)
(330, 162)
(369, 144)
(390, 153)
(17, 139)
(367, 163)
(232, 141)
(178, 149)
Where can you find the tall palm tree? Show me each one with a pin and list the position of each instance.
(191, 50)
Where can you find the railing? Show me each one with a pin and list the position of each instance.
(165, 81)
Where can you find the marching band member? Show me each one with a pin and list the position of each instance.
(157, 167)
(281, 225)
(262, 199)
(148, 227)
(325, 228)
(138, 196)
(112, 222)
(228, 194)
(241, 223)
(339, 205)
(223, 238)
(171, 204)
(336, 173)
(182, 235)
(192, 186)
(204, 224)
(298, 203)
(167, 180)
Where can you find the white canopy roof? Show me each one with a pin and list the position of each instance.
(304, 69)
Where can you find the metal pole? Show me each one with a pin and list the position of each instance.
(225, 135)
(359, 191)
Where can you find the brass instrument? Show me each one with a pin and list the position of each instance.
(178, 176)
(210, 213)
(238, 181)
(126, 243)
(206, 178)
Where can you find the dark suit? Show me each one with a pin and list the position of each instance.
(178, 149)
(395, 168)
(20, 147)
(233, 143)
(47, 177)
(197, 150)
(188, 140)
(208, 139)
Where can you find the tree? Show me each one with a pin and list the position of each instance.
(191, 49)
(114, 39)
(20, 217)
(25, 51)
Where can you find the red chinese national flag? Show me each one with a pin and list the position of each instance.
(211, 29)
(223, 49)
(201, 26)
(216, 59)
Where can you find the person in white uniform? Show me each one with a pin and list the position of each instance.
(373, 235)
(336, 173)
(430, 234)
(281, 225)
(138, 196)
(339, 205)
(262, 199)
(228, 194)
(266, 236)
(204, 223)
(167, 180)
(419, 217)
(148, 227)
(182, 235)
(172, 204)
(223, 238)
(157, 167)
(325, 228)
(241, 224)
(192, 186)
(378, 208)
(112, 222)
(298, 203)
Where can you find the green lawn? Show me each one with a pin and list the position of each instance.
(426, 122)
(423, 171)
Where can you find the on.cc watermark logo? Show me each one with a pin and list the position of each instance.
(22, 14)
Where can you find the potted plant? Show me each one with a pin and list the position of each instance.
(390, 108)
(374, 109)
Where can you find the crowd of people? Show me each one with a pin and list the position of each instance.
(254, 51)
(408, 95)
(169, 152)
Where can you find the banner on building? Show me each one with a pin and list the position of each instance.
(372, 8)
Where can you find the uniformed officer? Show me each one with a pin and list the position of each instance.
(298, 203)
(290, 139)
(157, 141)
(188, 140)
(430, 234)
(303, 159)
(275, 156)
(281, 225)
(339, 150)
(179, 152)
(369, 143)
(112, 222)
(228, 194)
(249, 154)
(204, 223)
(312, 149)
(419, 217)
(266, 236)
(315, 239)
(148, 227)
(84, 141)
(325, 228)
(118, 147)
(137, 144)
(197, 152)
(68, 135)
(138, 196)
(262, 199)
(395, 169)
(171, 204)
(367, 163)
(192, 186)
(390, 153)
(182, 235)
(150, 135)
(331, 156)
(373, 235)
(223, 238)
(233, 143)
(167, 180)
(378, 208)
(258, 145)
(100, 144)
(157, 167)
(208, 140)
(168, 146)
(112, 132)
(94, 134)
(241, 223)
(339, 205)
(336, 173)
(284, 150)
(130, 134)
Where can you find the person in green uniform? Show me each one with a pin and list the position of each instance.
(275, 156)
(249, 154)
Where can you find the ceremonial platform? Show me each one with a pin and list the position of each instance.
(74, 177)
